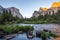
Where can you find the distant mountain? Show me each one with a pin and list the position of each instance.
(52, 10)
(14, 11)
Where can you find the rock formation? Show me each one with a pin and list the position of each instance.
(1, 9)
(14, 11)
(52, 10)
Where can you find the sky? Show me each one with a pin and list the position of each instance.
(27, 7)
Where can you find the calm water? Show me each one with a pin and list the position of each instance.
(37, 27)
(24, 37)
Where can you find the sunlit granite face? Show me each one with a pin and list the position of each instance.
(52, 10)
(55, 4)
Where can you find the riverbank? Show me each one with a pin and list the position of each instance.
(24, 35)
(6, 30)
(58, 38)
(26, 27)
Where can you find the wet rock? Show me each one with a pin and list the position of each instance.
(45, 30)
(8, 37)
(30, 34)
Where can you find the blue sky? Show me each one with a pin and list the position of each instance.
(27, 7)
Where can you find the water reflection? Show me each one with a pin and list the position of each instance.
(24, 37)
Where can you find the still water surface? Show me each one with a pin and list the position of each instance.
(24, 37)
(53, 27)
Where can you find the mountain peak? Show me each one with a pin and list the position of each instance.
(55, 4)
(44, 9)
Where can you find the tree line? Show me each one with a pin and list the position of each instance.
(54, 18)
(6, 17)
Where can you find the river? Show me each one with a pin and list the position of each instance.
(37, 27)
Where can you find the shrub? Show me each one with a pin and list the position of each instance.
(27, 28)
(15, 29)
(52, 34)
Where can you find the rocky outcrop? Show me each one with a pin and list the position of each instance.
(49, 11)
(14, 11)
(55, 7)
(36, 14)
(44, 9)
(55, 4)
(1, 9)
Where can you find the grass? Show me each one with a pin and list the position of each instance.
(15, 29)
(46, 34)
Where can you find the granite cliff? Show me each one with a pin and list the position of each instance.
(14, 11)
(52, 10)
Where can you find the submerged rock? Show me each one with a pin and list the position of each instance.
(30, 34)
(8, 37)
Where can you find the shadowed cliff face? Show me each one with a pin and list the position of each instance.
(1, 9)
